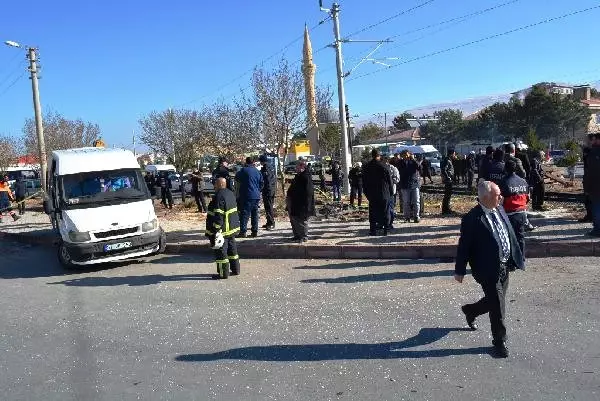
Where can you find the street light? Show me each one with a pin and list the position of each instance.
(39, 128)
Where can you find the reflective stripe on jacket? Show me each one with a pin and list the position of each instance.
(223, 214)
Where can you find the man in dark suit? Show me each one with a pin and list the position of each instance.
(378, 187)
(489, 245)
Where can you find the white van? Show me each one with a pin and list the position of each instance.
(101, 207)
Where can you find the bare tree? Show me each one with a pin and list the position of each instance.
(280, 96)
(324, 96)
(177, 134)
(60, 133)
(8, 151)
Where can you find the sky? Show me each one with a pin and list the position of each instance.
(112, 62)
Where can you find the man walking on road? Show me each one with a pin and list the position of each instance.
(378, 185)
(268, 191)
(300, 202)
(250, 182)
(222, 223)
(198, 190)
(447, 178)
(489, 245)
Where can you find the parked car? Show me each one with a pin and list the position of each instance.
(290, 168)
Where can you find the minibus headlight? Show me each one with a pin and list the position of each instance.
(77, 236)
(150, 225)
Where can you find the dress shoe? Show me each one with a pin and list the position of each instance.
(269, 228)
(254, 234)
(585, 219)
(372, 233)
(530, 227)
(241, 235)
(15, 217)
(500, 350)
(470, 319)
(417, 220)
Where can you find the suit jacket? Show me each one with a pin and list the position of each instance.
(377, 181)
(478, 247)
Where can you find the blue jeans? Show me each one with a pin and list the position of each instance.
(596, 216)
(249, 210)
(337, 193)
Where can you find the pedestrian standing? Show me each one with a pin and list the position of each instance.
(356, 184)
(485, 163)
(409, 187)
(488, 244)
(447, 167)
(222, 171)
(300, 202)
(510, 154)
(537, 183)
(515, 191)
(250, 185)
(269, 190)
(495, 170)
(6, 196)
(378, 185)
(391, 205)
(166, 195)
(222, 224)
(521, 154)
(20, 194)
(197, 182)
(336, 181)
(470, 168)
(591, 184)
(426, 170)
(587, 203)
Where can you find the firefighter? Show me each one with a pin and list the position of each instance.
(222, 225)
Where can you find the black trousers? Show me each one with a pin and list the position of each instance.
(447, 196)
(21, 204)
(227, 258)
(537, 195)
(268, 202)
(518, 221)
(200, 201)
(166, 196)
(588, 206)
(356, 192)
(470, 177)
(427, 174)
(378, 209)
(494, 303)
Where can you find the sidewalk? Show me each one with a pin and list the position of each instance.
(558, 234)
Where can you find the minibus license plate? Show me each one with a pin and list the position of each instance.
(116, 247)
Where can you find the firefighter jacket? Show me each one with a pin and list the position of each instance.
(222, 214)
(495, 172)
(515, 191)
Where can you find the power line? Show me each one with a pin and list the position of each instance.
(383, 21)
(522, 28)
(13, 72)
(13, 83)
(282, 50)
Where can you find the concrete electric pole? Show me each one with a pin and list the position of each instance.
(39, 127)
(339, 61)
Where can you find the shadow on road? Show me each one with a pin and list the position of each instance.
(380, 277)
(328, 352)
(370, 263)
(131, 281)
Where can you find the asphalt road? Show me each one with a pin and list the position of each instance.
(290, 330)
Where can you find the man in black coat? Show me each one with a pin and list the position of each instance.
(300, 202)
(222, 171)
(20, 194)
(268, 191)
(447, 167)
(378, 186)
(197, 182)
(356, 184)
(484, 164)
(471, 163)
(510, 152)
(489, 245)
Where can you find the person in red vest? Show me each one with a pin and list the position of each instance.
(515, 191)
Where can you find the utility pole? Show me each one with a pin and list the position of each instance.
(346, 161)
(133, 134)
(39, 127)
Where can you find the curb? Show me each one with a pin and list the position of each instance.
(534, 249)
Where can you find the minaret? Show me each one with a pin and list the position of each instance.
(308, 70)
